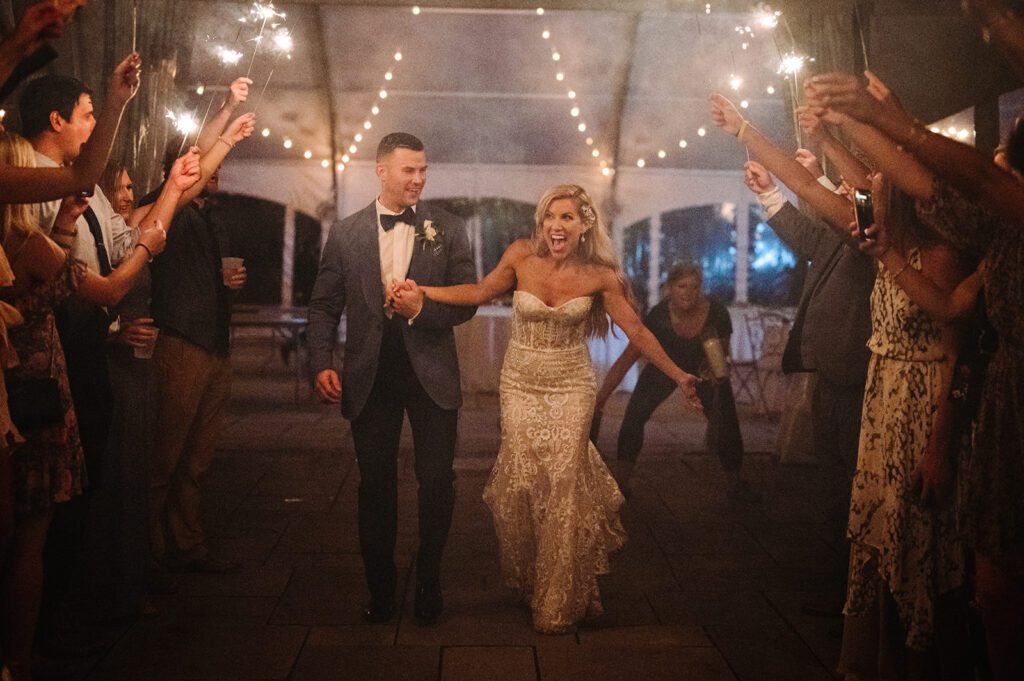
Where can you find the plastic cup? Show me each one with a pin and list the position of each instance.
(229, 266)
(146, 351)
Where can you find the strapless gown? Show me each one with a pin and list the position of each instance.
(555, 505)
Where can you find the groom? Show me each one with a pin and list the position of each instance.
(399, 359)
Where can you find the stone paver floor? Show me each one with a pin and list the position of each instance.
(705, 589)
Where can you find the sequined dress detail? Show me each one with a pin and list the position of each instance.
(554, 503)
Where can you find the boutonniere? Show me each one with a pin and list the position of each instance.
(428, 233)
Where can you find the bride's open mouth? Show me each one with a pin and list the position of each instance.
(558, 241)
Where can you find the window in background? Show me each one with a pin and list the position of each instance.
(706, 235)
(774, 276)
(636, 256)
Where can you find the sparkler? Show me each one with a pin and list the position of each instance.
(283, 43)
(183, 122)
(135, 24)
(263, 13)
(228, 56)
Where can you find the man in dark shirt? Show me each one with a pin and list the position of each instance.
(192, 308)
(681, 323)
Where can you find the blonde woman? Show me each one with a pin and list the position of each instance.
(555, 505)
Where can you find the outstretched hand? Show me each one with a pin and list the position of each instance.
(688, 387)
(41, 21)
(725, 115)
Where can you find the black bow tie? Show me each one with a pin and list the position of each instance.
(388, 222)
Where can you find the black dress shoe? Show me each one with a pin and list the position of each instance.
(428, 605)
(379, 612)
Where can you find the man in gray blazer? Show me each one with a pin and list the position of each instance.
(829, 335)
(399, 359)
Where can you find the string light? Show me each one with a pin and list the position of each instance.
(375, 110)
(556, 56)
(358, 137)
(546, 34)
(287, 143)
(682, 144)
(266, 132)
(540, 11)
(701, 131)
(352, 149)
(595, 153)
(582, 127)
(559, 76)
(744, 104)
(707, 8)
(661, 153)
(398, 56)
(571, 94)
(346, 158)
(416, 10)
(340, 167)
(388, 75)
(200, 90)
(325, 163)
(640, 163)
(307, 154)
(367, 125)
(606, 172)
(574, 112)
(383, 94)
(770, 89)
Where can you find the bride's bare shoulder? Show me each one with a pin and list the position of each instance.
(518, 250)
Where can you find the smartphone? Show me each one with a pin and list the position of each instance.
(864, 209)
(87, 194)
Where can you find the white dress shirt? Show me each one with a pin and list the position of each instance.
(395, 248)
(118, 237)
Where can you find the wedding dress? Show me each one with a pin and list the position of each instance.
(555, 505)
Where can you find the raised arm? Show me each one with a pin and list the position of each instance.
(36, 185)
(214, 127)
(965, 168)
(40, 22)
(499, 280)
(626, 318)
(848, 165)
(833, 208)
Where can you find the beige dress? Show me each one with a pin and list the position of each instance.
(913, 551)
(555, 505)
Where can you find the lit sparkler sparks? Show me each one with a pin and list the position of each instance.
(184, 122)
(767, 17)
(261, 12)
(793, 63)
(283, 42)
(228, 56)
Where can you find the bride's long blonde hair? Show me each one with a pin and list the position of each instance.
(596, 249)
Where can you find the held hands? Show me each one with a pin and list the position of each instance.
(240, 128)
(238, 92)
(124, 82)
(725, 115)
(404, 298)
(185, 171)
(758, 179)
(328, 386)
(138, 333)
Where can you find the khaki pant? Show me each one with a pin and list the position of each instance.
(193, 386)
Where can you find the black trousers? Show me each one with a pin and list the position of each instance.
(835, 424)
(653, 387)
(376, 433)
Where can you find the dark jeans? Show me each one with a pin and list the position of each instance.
(653, 387)
(376, 433)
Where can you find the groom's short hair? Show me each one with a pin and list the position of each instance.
(397, 140)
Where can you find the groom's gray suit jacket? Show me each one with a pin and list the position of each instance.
(349, 280)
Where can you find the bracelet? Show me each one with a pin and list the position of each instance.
(221, 138)
(148, 252)
(743, 126)
(62, 232)
(903, 269)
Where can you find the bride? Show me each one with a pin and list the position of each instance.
(555, 505)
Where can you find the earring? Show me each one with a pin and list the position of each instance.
(583, 237)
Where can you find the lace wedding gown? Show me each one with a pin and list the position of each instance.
(555, 504)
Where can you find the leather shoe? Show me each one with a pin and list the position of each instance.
(208, 565)
(379, 612)
(428, 605)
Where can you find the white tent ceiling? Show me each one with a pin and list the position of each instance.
(480, 86)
